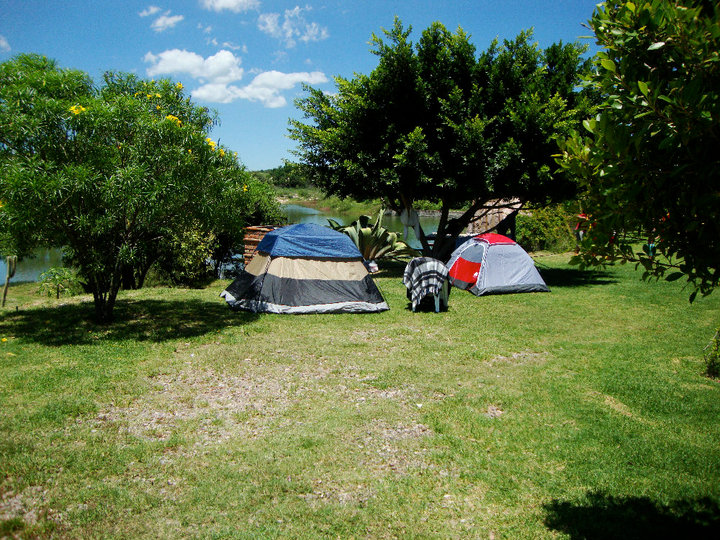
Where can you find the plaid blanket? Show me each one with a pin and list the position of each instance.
(425, 276)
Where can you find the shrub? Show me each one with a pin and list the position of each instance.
(185, 259)
(59, 281)
(549, 228)
(712, 357)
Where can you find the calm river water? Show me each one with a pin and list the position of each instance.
(30, 268)
(301, 214)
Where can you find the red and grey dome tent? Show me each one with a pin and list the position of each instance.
(305, 268)
(494, 264)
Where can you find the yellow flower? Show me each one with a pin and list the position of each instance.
(179, 86)
(173, 118)
(157, 95)
(222, 152)
(189, 151)
(77, 109)
(245, 188)
(157, 107)
(210, 142)
(4, 339)
(149, 96)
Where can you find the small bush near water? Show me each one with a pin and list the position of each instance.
(546, 229)
(59, 281)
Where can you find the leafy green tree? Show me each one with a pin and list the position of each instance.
(435, 121)
(291, 175)
(649, 161)
(109, 174)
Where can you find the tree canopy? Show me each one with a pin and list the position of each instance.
(112, 173)
(436, 121)
(649, 162)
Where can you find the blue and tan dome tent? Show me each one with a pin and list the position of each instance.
(305, 268)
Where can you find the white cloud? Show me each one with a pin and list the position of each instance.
(268, 23)
(236, 6)
(150, 10)
(314, 32)
(166, 21)
(205, 29)
(232, 46)
(280, 57)
(220, 68)
(4, 45)
(265, 88)
(217, 73)
(293, 27)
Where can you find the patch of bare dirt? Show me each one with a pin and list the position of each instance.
(222, 406)
(494, 412)
(29, 505)
(517, 358)
(383, 449)
(386, 448)
(212, 408)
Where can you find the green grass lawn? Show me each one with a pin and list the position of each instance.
(582, 413)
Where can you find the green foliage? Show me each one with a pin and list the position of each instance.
(289, 175)
(712, 357)
(242, 200)
(546, 228)
(435, 121)
(649, 160)
(59, 281)
(111, 174)
(185, 258)
(373, 240)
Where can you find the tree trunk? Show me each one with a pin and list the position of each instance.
(104, 296)
(441, 248)
(142, 274)
(128, 278)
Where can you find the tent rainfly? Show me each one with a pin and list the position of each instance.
(305, 268)
(494, 264)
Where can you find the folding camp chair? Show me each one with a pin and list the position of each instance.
(424, 277)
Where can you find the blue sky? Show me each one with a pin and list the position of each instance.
(247, 59)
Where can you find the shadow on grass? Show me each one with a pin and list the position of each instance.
(391, 269)
(137, 320)
(554, 277)
(604, 516)
(572, 277)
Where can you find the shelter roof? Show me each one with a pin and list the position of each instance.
(308, 240)
(494, 238)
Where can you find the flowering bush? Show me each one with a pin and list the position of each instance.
(116, 179)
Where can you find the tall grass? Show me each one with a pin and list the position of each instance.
(581, 413)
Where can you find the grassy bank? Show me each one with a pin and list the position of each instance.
(314, 198)
(579, 413)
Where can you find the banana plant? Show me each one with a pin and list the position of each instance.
(373, 240)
